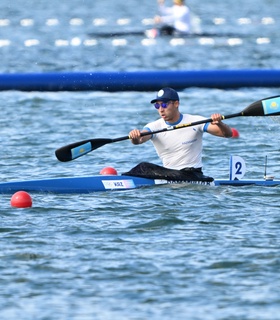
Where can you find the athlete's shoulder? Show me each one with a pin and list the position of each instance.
(191, 117)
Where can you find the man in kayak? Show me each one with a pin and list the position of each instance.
(175, 19)
(180, 150)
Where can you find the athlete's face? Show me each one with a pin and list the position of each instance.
(168, 111)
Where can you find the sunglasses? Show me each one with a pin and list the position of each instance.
(163, 105)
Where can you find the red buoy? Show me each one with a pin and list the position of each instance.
(21, 199)
(235, 133)
(109, 171)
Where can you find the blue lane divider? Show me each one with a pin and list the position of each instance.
(139, 80)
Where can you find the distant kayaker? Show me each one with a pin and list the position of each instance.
(180, 150)
(175, 19)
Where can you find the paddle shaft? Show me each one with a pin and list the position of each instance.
(266, 107)
(78, 149)
(179, 126)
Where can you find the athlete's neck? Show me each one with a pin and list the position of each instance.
(176, 120)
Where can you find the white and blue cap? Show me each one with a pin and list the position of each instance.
(165, 95)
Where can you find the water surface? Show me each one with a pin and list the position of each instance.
(169, 252)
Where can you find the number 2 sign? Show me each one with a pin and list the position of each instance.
(237, 168)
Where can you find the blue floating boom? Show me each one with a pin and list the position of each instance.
(139, 80)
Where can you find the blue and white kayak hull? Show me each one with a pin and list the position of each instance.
(99, 183)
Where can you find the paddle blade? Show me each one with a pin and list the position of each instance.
(75, 150)
(265, 107)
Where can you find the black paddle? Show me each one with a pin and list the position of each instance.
(266, 107)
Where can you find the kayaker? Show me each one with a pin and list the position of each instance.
(175, 19)
(180, 150)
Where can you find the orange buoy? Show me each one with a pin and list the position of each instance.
(21, 199)
(235, 133)
(109, 171)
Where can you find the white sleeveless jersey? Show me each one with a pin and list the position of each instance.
(178, 16)
(180, 148)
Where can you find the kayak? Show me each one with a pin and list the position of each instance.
(155, 33)
(97, 183)
(109, 180)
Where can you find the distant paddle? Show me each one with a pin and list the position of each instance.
(265, 107)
